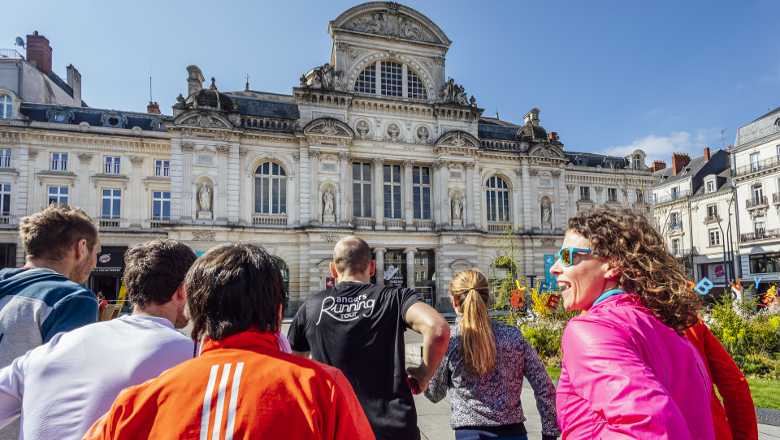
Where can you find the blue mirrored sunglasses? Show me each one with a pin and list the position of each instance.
(567, 254)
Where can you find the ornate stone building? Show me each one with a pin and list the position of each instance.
(377, 142)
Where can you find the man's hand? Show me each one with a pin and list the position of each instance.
(417, 379)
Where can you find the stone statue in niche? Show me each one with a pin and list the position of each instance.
(457, 208)
(327, 199)
(546, 213)
(423, 133)
(393, 131)
(362, 129)
(204, 197)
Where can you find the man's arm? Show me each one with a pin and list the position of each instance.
(296, 334)
(11, 383)
(425, 320)
(74, 311)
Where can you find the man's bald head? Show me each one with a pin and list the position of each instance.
(351, 255)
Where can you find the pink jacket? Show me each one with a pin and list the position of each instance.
(627, 375)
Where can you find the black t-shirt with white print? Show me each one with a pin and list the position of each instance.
(359, 329)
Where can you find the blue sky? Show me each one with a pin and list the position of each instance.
(608, 76)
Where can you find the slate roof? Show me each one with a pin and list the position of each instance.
(92, 116)
(267, 108)
(492, 128)
(696, 170)
(593, 159)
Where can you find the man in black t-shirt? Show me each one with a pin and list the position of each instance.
(358, 327)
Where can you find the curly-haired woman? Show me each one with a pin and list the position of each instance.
(484, 368)
(627, 370)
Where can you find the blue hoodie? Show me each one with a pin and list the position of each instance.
(35, 305)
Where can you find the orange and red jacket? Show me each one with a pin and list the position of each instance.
(241, 387)
(738, 420)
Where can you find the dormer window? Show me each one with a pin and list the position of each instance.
(637, 162)
(6, 107)
(710, 187)
(395, 79)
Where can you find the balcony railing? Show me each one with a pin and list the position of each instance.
(497, 226)
(109, 223)
(269, 220)
(759, 234)
(363, 222)
(10, 53)
(5, 220)
(585, 199)
(424, 224)
(395, 223)
(680, 253)
(755, 202)
(758, 166)
(159, 224)
(671, 197)
(711, 218)
(675, 225)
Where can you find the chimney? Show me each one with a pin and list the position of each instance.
(74, 81)
(679, 160)
(728, 149)
(195, 80)
(39, 52)
(153, 108)
(553, 136)
(658, 165)
(707, 154)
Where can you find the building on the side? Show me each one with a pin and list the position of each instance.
(378, 142)
(695, 213)
(756, 170)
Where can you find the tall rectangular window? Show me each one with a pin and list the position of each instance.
(755, 161)
(584, 193)
(759, 224)
(758, 194)
(161, 168)
(612, 194)
(712, 210)
(112, 199)
(710, 187)
(392, 79)
(161, 205)
(59, 162)
(5, 158)
(112, 165)
(421, 192)
(640, 196)
(366, 81)
(392, 179)
(58, 194)
(361, 189)
(714, 237)
(5, 199)
(415, 89)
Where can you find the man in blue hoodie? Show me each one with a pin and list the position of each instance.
(47, 296)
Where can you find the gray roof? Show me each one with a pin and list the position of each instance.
(696, 170)
(593, 160)
(92, 116)
(759, 128)
(267, 108)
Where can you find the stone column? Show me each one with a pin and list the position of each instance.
(345, 163)
(527, 194)
(290, 199)
(137, 206)
(314, 185)
(435, 201)
(444, 196)
(187, 208)
(380, 266)
(470, 200)
(294, 202)
(245, 191)
(379, 200)
(233, 182)
(410, 267)
(572, 202)
(220, 204)
(408, 205)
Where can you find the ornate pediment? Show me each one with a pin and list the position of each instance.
(392, 20)
(457, 139)
(203, 120)
(547, 151)
(328, 127)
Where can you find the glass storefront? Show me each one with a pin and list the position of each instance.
(7, 255)
(107, 276)
(765, 263)
(424, 272)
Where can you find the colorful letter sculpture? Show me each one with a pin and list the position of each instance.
(704, 286)
(769, 297)
(736, 288)
(552, 302)
(517, 297)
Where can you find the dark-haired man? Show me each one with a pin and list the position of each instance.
(61, 388)
(359, 327)
(243, 385)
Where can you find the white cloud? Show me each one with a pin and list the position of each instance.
(662, 147)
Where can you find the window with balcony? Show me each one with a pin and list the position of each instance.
(161, 206)
(758, 195)
(612, 194)
(676, 248)
(361, 189)
(714, 237)
(58, 194)
(161, 168)
(270, 189)
(421, 192)
(111, 165)
(585, 193)
(673, 192)
(497, 196)
(392, 191)
(755, 161)
(5, 158)
(759, 225)
(112, 200)
(6, 107)
(59, 162)
(5, 199)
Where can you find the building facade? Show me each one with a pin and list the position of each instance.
(377, 142)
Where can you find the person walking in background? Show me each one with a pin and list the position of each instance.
(627, 370)
(61, 388)
(359, 327)
(738, 420)
(242, 385)
(46, 296)
(484, 368)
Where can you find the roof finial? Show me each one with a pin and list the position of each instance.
(496, 112)
(247, 82)
(213, 85)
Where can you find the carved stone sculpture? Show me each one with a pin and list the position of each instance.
(324, 77)
(328, 202)
(204, 196)
(457, 208)
(393, 131)
(362, 128)
(423, 133)
(546, 213)
(390, 24)
(453, 93)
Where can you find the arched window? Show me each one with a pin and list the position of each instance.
(270, 189)
(497, 200)
(6, 107)
(285, 273)
(395, 79)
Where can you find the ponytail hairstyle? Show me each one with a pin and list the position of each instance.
(471, 292)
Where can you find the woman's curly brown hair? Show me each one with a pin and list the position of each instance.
(626, 240)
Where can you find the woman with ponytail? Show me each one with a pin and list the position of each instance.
(484, 369)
